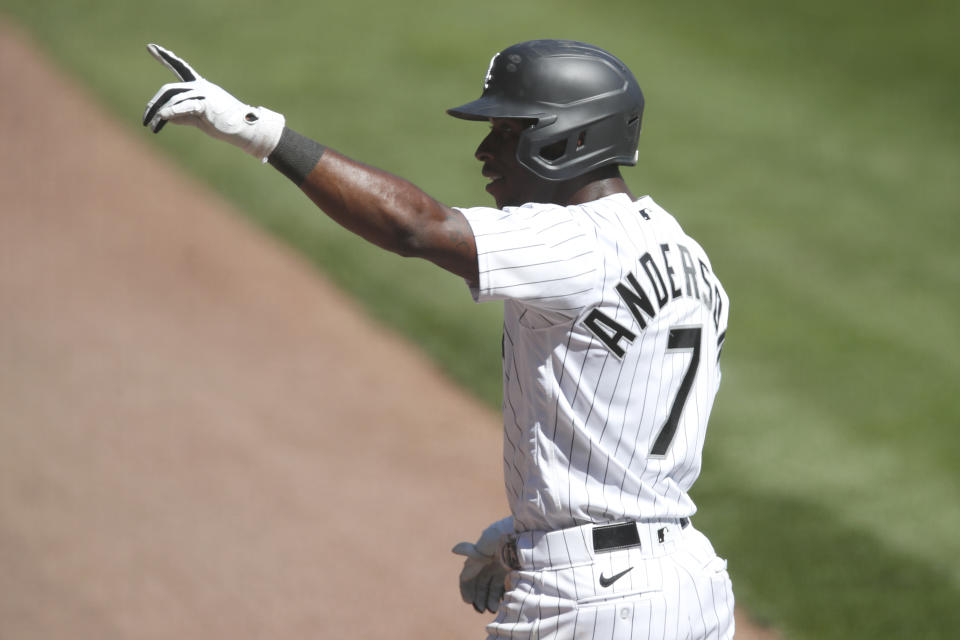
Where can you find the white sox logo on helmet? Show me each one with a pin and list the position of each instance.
(489, 76)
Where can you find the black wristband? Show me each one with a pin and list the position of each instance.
(295, 155)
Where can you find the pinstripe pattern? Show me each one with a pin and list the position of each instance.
(582, 405)
(613, 325)
(674, 588)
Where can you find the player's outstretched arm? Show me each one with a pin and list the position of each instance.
(382, 208)
(391, 213)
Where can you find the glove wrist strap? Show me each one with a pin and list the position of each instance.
(266, 128)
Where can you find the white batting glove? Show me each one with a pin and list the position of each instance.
(202, 104)
(483, 578)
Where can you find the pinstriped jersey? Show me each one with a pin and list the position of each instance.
(613, 324)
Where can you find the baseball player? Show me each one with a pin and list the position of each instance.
(614, 320)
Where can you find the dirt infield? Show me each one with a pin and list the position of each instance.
(194, 442)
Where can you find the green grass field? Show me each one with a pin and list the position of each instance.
(814, 150)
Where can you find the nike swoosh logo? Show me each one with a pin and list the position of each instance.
(606, 582)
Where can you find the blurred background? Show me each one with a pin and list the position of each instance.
(812, 148)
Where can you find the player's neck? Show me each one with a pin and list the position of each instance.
(605, 181)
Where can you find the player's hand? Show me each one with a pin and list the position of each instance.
(202, 104)
(483, 578)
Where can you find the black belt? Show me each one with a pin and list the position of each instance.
(623, 535)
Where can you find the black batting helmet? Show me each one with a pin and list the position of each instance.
(586, 104)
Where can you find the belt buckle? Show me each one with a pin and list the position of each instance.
(508, 554)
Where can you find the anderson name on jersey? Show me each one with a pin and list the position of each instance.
(615, 293)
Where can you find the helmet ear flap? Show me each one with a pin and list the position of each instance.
(573, 151)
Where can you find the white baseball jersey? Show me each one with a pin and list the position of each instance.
(613, 325)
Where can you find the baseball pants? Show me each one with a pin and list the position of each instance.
(639, 580)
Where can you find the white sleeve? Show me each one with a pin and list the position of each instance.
(537, 254)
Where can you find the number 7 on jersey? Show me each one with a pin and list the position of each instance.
(680, 339)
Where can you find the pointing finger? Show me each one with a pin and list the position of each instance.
(170, 60)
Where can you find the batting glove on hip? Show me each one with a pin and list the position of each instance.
(483, 578)
(202, 104)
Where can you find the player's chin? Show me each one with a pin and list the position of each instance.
(501, 195)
